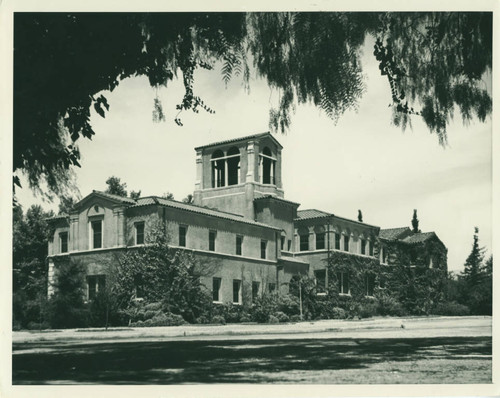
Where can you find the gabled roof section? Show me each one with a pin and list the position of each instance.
(114, 198)
(154, 200)
(311, 213)
(393, 233)
(234, 140)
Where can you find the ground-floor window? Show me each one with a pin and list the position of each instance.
(369, 284)
(255, 290)
(272, 287)
(216, 283)
(343, 281)
(236, 291)
(320, 276)
(95, 284)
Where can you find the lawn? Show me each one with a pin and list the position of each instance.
(262, 360)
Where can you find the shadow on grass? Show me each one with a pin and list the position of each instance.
(231, 361)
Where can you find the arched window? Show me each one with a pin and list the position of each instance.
(218, 169)
(233, 166)
(267, 166)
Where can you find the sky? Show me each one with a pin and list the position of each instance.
(361, 162)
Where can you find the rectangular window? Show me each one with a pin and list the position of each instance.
(383, 255)
(96, 234)
(211, 240)
(216, 283)
(236, 291)
(139, 233)
(63, 241)
(239, 244)
(283, 239)
(139, 287)
(304, 243)
(343, 282)
(272, 287)
(96, 284)
(370, 245)
(363, 246)
(346, 243)
(320, 276)
(263, 248)
(320, 241)
(337, 241)
(369, 284)
(255, 290)
(182, 235)
(289, 245)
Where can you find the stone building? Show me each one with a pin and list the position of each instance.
(239, 220)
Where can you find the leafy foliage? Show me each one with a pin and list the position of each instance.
(116, 187)
(159, 274)
(29, 251)
(433, 61)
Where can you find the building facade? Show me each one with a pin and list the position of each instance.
(250, 238)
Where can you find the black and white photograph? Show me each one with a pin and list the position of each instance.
(245, 197)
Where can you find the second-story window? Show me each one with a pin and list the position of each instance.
(283, 240)
(320, 241)
(370, 246)
(182, 235)
(139, 233)
(337, 241)
(96, 234)
(363, 246)
(239, 244)
(212, 235)
(346, 243)
(63, 241)
(304, 242)
(263, 248)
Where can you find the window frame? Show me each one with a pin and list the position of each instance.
(337, 241)
(136, 230)
(98, 281)
(61, 240)
(239, 245)
(369, 281)
(255, 290)
(212, 238)
(320, 287)
(263, 249)
(93, 233)
(183, 236)
(217, 299)
(323, 234)
(304, 242)
(237, 282)
(343, 280)
(363, 246)
(346, 245)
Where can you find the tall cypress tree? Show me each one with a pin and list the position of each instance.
(414, 222)
(473, 264)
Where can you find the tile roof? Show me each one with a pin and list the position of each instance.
(419, 237)
(392, 233)
(311, 213)
(239, 139)
(151, 200)
(276, 198)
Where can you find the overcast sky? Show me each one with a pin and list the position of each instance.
(362, 162)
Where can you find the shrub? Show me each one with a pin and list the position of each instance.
(288, 304)
(281, 316)
(161, 319)
(219, 319)
(263, 307)
(273, 319)
(338, 313)
(387, 305)
(367, 310)
(153, 306)
(38, 325)
(245, 318)
(295, 318)
(451, 308)
(202, 319)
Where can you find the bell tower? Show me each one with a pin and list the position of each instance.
(231, 174)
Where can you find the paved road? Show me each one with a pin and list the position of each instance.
(435, 350)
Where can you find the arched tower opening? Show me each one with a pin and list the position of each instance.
(233, 166)
(268, 167)
(218, 169)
